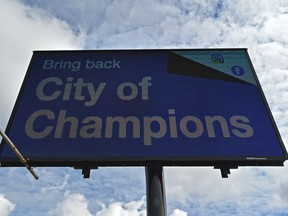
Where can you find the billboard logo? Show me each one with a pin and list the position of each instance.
(217, 58)
(237, 70)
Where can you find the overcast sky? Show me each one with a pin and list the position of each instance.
(259, 25)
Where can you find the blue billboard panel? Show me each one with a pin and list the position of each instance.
(141, 106)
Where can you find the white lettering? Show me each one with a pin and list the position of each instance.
(113, 64)
(92, 130)
(62, 121)
(54, 94)
(45, 123)
(150, 131)
(130, 93)
(172, 123)
(53, 88)
(144, 84)
(210, 122)
(122, 122)
(61, 65)
(198, 131)
(243, 129)
(30, 127)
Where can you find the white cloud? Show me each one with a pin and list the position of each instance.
(77, 204)
(177, 212)
(72, 205)
(181, 184)
(133, 208)
(23, 30)
(6, 206)
(244, 190)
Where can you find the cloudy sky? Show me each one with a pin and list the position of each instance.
(259, 25)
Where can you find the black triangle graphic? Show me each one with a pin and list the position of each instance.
(183, 66)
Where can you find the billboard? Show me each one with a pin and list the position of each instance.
(136, 107)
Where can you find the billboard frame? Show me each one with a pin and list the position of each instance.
(217, 162)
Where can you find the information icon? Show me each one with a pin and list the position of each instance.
(238, 70)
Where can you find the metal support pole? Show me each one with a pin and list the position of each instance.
(19, 155)
(155, 191)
